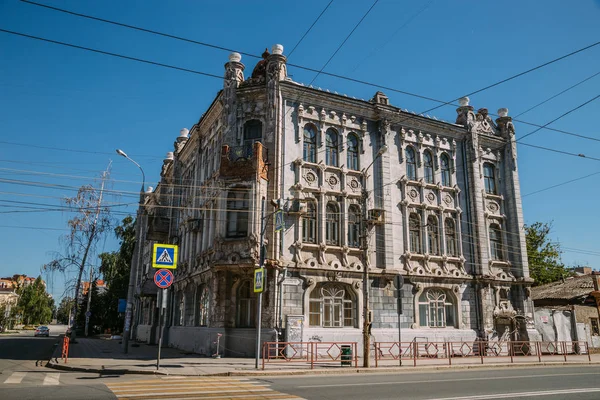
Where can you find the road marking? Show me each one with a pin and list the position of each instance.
(206, 388)
(16, 377)
(450, 380)
(52, 379)
(520, 394)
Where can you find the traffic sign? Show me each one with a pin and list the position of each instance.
(88, 314)
(163, 278)
(164, 256)
(279, 221)
(259, 280)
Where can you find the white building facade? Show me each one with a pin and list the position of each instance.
(362, 185)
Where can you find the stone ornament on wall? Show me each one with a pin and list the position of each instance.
(310, 177)
(354, 185)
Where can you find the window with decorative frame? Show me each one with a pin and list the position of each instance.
(331, 147)
(310, 144)
(436, 309)
(352, 153)
(496, 246)
(433, 235)
(428, 166)
(203, 306)
(332, 224)
(489, 178)
(309, 223)
(332, 305)
(246, 305)
(354, 226)
(445, 169)
(237, 213)
(252, 134)
(414, 233)
(451, 237)
(411, 164)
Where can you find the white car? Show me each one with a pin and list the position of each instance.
(42, 331)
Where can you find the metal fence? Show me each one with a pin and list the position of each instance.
(517, 351)
(310, 353)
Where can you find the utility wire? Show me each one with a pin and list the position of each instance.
(556, 95)
(561, 116)
(309, 29)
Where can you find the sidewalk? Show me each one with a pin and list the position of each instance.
(105, 356)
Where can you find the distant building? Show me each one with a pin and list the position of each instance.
(569, 309)
(361, 185)
(85, 286)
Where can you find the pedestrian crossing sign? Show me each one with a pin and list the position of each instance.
(164, 256)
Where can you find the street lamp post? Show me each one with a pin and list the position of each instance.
(135, 259)
(366, 309)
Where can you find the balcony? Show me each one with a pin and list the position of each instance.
(244, 162)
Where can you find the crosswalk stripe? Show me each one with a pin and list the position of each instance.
(196, 388)
(52, 379)
(16, 377)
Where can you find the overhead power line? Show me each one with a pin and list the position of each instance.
(309, 29)
(319, 72)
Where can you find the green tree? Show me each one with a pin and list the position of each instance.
(545, 265)
(34, 304)
(64, 309)
(115, 267)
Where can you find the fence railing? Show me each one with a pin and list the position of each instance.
(310, 353)
(481, 350)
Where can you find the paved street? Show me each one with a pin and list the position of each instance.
(21, 378)
(552, 383)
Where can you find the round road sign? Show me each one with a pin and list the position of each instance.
(88, 314)
(163, 278)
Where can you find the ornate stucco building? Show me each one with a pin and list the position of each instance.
(362, 184)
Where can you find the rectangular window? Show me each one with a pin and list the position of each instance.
(595, 327)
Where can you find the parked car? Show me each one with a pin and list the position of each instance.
(42, 331)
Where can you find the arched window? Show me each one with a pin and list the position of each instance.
(246, 306)
(332, 224)
(436, 309)
(252, 133)
(428, 166)
(433, 235)
(352, 153)
(203, 306)
(332, 306)
(451, 242)
(353, 226)
(181, 309)
(414, 228)
(489, 178)
(310, 144)
(237, 213)
(331, 147)
(309, 223)
(496, 243)
(411, 164)
(445, 161)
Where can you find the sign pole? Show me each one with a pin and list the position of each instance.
(399, 284)
(261, 266)
(161, 323)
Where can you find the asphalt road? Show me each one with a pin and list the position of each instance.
(23, 374)
(22, 379)
(553, 383)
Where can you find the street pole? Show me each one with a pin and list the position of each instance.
(366, 309)
(161, 324)
(399, 284)
(366, 264)
(135, 258)
(261, 265)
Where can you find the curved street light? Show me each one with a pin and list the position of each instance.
(136, 257)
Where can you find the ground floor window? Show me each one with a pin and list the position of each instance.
(436, 309)
(595, 328)
(246, 306)
(332, 305)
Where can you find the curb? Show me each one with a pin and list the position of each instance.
(380, 370)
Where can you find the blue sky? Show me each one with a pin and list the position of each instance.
(64, 111)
